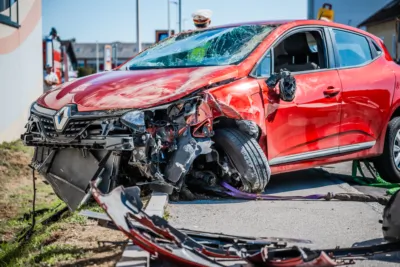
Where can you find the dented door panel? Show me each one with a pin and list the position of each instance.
(309, 123)
(366, 103)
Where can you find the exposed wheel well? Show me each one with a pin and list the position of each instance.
(396, 113)
(224, 122)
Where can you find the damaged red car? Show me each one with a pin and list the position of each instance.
(233, 103)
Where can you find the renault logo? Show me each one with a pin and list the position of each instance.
(61, 118)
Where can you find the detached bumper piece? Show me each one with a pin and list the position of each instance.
(184, 248)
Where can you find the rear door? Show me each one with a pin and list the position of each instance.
(368, 85)
(307, 127)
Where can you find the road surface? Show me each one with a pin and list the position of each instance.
(326, 223)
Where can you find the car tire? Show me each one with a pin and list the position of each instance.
(385, 163)
(247, 157)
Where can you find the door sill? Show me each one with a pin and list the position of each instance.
(321, 153)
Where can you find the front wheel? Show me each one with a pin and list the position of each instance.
(246, 156)
(388, 164)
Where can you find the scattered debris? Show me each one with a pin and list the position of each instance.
(168, 244)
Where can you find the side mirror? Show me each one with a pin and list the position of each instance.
(287, 84)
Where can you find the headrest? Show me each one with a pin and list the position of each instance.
(297, 44)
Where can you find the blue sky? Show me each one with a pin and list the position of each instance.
(108, 21)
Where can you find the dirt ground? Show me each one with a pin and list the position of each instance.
(73, 240)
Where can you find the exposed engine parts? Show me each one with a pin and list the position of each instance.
(162, 147)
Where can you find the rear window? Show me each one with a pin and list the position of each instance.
(354, 49)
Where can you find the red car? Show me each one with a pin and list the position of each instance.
(235, 102)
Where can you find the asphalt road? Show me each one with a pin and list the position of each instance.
(326, 223)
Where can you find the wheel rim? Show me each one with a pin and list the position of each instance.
(396, 150)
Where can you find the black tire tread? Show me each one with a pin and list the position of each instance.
(234, 143)
(252, 149)
(384, 163)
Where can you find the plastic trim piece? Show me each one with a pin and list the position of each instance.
(321, 153)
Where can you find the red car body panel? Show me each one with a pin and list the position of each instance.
(302, 125)
(134, 89)
(366, 101)
(367, 97)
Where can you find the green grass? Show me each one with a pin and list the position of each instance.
(45, 247)
(16, 146)
(166, 214)
(38, 249)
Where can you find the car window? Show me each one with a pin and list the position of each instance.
(312, 43)
(301, 51)
(264, 67)
(376, 48)
(213, 47)
(353, 49)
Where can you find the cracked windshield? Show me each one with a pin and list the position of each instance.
(215, 47)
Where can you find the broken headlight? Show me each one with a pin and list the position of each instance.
(134, 120)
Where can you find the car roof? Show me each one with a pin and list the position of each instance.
(298, 22)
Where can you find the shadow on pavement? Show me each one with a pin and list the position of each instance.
(300, 180)
(388, 257)
(310, 180)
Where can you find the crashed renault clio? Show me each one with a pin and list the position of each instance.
(230, 104)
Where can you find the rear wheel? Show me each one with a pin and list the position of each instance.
(246, 156)
(388, 164)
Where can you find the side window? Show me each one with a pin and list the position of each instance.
(301, 51)
(375, 49)
(264, 68)
(354, 49)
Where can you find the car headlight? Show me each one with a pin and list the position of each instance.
(134, 120)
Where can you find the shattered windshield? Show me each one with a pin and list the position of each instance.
(215, 47)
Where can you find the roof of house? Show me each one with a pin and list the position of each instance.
(388, 12)
(124, 50)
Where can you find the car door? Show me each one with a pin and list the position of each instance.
(308, 126)
(368, 84)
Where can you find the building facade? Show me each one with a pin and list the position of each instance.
(383, 23)
(21, 72)
(349, 12)
(86, 54)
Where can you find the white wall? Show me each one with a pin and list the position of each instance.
(21, 73)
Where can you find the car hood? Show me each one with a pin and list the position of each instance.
(134, 89)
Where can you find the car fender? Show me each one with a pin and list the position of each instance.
(241, 100)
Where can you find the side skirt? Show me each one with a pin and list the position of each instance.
(321, 153)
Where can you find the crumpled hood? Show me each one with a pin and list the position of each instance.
(134, 89)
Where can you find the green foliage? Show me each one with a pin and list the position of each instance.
(82, 71)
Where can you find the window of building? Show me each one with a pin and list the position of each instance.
(354, 49)
(9, 12)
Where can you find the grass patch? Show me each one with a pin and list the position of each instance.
(70, 241)
(16, 146)
(166, 215)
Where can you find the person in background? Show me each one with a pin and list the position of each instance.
(202, 18)
(50, 78)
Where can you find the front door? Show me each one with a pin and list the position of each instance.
(308, 126)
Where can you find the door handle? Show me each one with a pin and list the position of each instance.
(331, 91)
